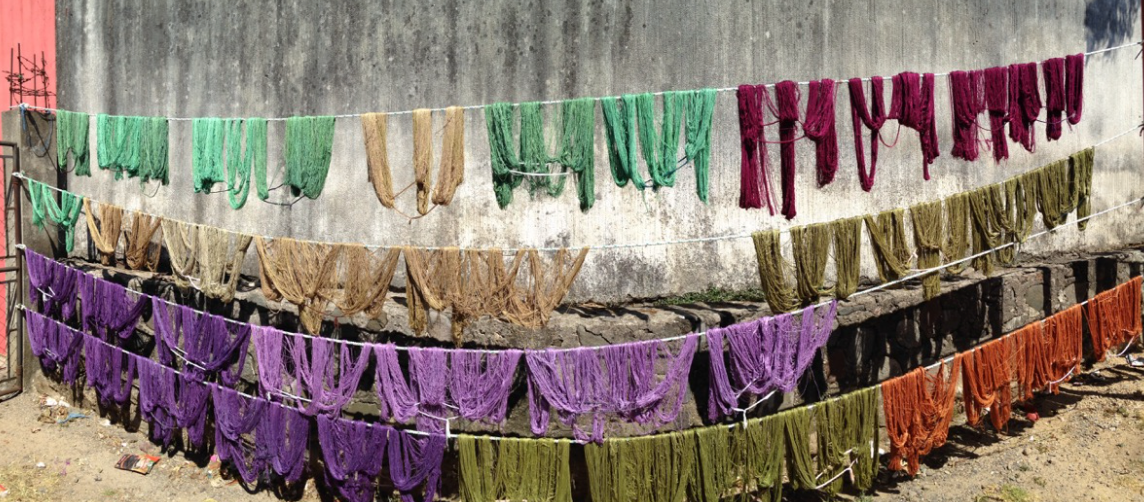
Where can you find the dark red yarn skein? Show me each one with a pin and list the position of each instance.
(754, 187)
(912, 103)
(967, 94)
(997, 102)
(873, 118)
(786, 97)
(1053, 70)
(820, 128)
(1024, 104)
(1074, 87)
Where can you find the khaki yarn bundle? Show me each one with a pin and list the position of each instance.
(105, 234)
(927, 220)
(888, 241)
(476, 283)
(364, 277)
(450, 172)
(1081, 163)
(138, 242)
(210, 256)
(847, 255)
(299, 272)
(514, 469)
(768, 253)
(811, 245)
(985, 235)
(956, 245)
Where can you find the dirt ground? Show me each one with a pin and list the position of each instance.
(1088, 444)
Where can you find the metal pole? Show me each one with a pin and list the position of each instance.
(17, 369)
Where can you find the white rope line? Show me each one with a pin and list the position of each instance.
(544, 102)
(599, 247)
(848, 468)
(701, 334)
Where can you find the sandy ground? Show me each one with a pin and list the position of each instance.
(42, 460)
(1088, 444)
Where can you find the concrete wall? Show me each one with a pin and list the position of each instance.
(269, 58)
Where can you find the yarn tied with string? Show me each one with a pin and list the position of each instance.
(918, 409)
(109, 312)
(1053, 71)
(819, 128)
(309, 148)
(1074, 87)
(72, 139)
(55, 344)
(873, 118)
(52, 286)
(1024, 104)
(912, 105)
(997, 103)
(105, 233)
(786, 111)
(754, 185)
(63, 214)
(1114, 317)
(618, 380)
(451, 170)
(765, 355)
(210, 344)
(967, 90)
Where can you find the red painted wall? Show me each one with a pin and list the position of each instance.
(32, 25)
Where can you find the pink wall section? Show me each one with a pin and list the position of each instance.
(32, 24)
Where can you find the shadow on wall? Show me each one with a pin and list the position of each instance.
(1108, 23)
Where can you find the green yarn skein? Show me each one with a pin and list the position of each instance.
(309, 148)
(72, 137)
(64, 215)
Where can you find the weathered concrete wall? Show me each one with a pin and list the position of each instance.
(269, 58)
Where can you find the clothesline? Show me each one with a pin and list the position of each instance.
(449, 435)
(599, 247)
(879, 287)
(550, 101)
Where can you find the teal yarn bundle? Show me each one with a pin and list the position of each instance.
(218, 155)
(133, 146)
(576, 153)
(309, 147)
(72, 138)
(64, 215)
(208, 137)
(659, 146)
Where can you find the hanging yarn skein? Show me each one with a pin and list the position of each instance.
(700, 108)
(967, 91)
(137, 242)
(754, 185)
(208, 258)
(133, 146)
(577, 149)
(514, 469)
(1074, 87)
(64, 215)
(298, 272)
(912, 104)
(847, 255)
(927, 224)
(660, 153)
(72, 139)
(451, 170)
(779, 294)
(1024, 104)
(997, 103)
(887, 234)
(819, 128)
(241, 162)
(620, 132)
(309, 148)
(873, 118)
(918, 409)
(786, 111)
(1053, 71)
(105, 234)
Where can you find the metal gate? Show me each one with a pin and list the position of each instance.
(11, 276)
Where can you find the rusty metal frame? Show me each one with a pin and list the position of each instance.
(13, 382)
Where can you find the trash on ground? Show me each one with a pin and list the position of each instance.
(137, 463)
(71, 416)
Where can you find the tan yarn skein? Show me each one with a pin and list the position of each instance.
(956, 244)
(451, 172)
(138, 242)
(105, 234)
(365, 279)
(301, 273)
(423, 156)
(375, 130)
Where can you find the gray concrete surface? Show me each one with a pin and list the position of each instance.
(269, 58)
